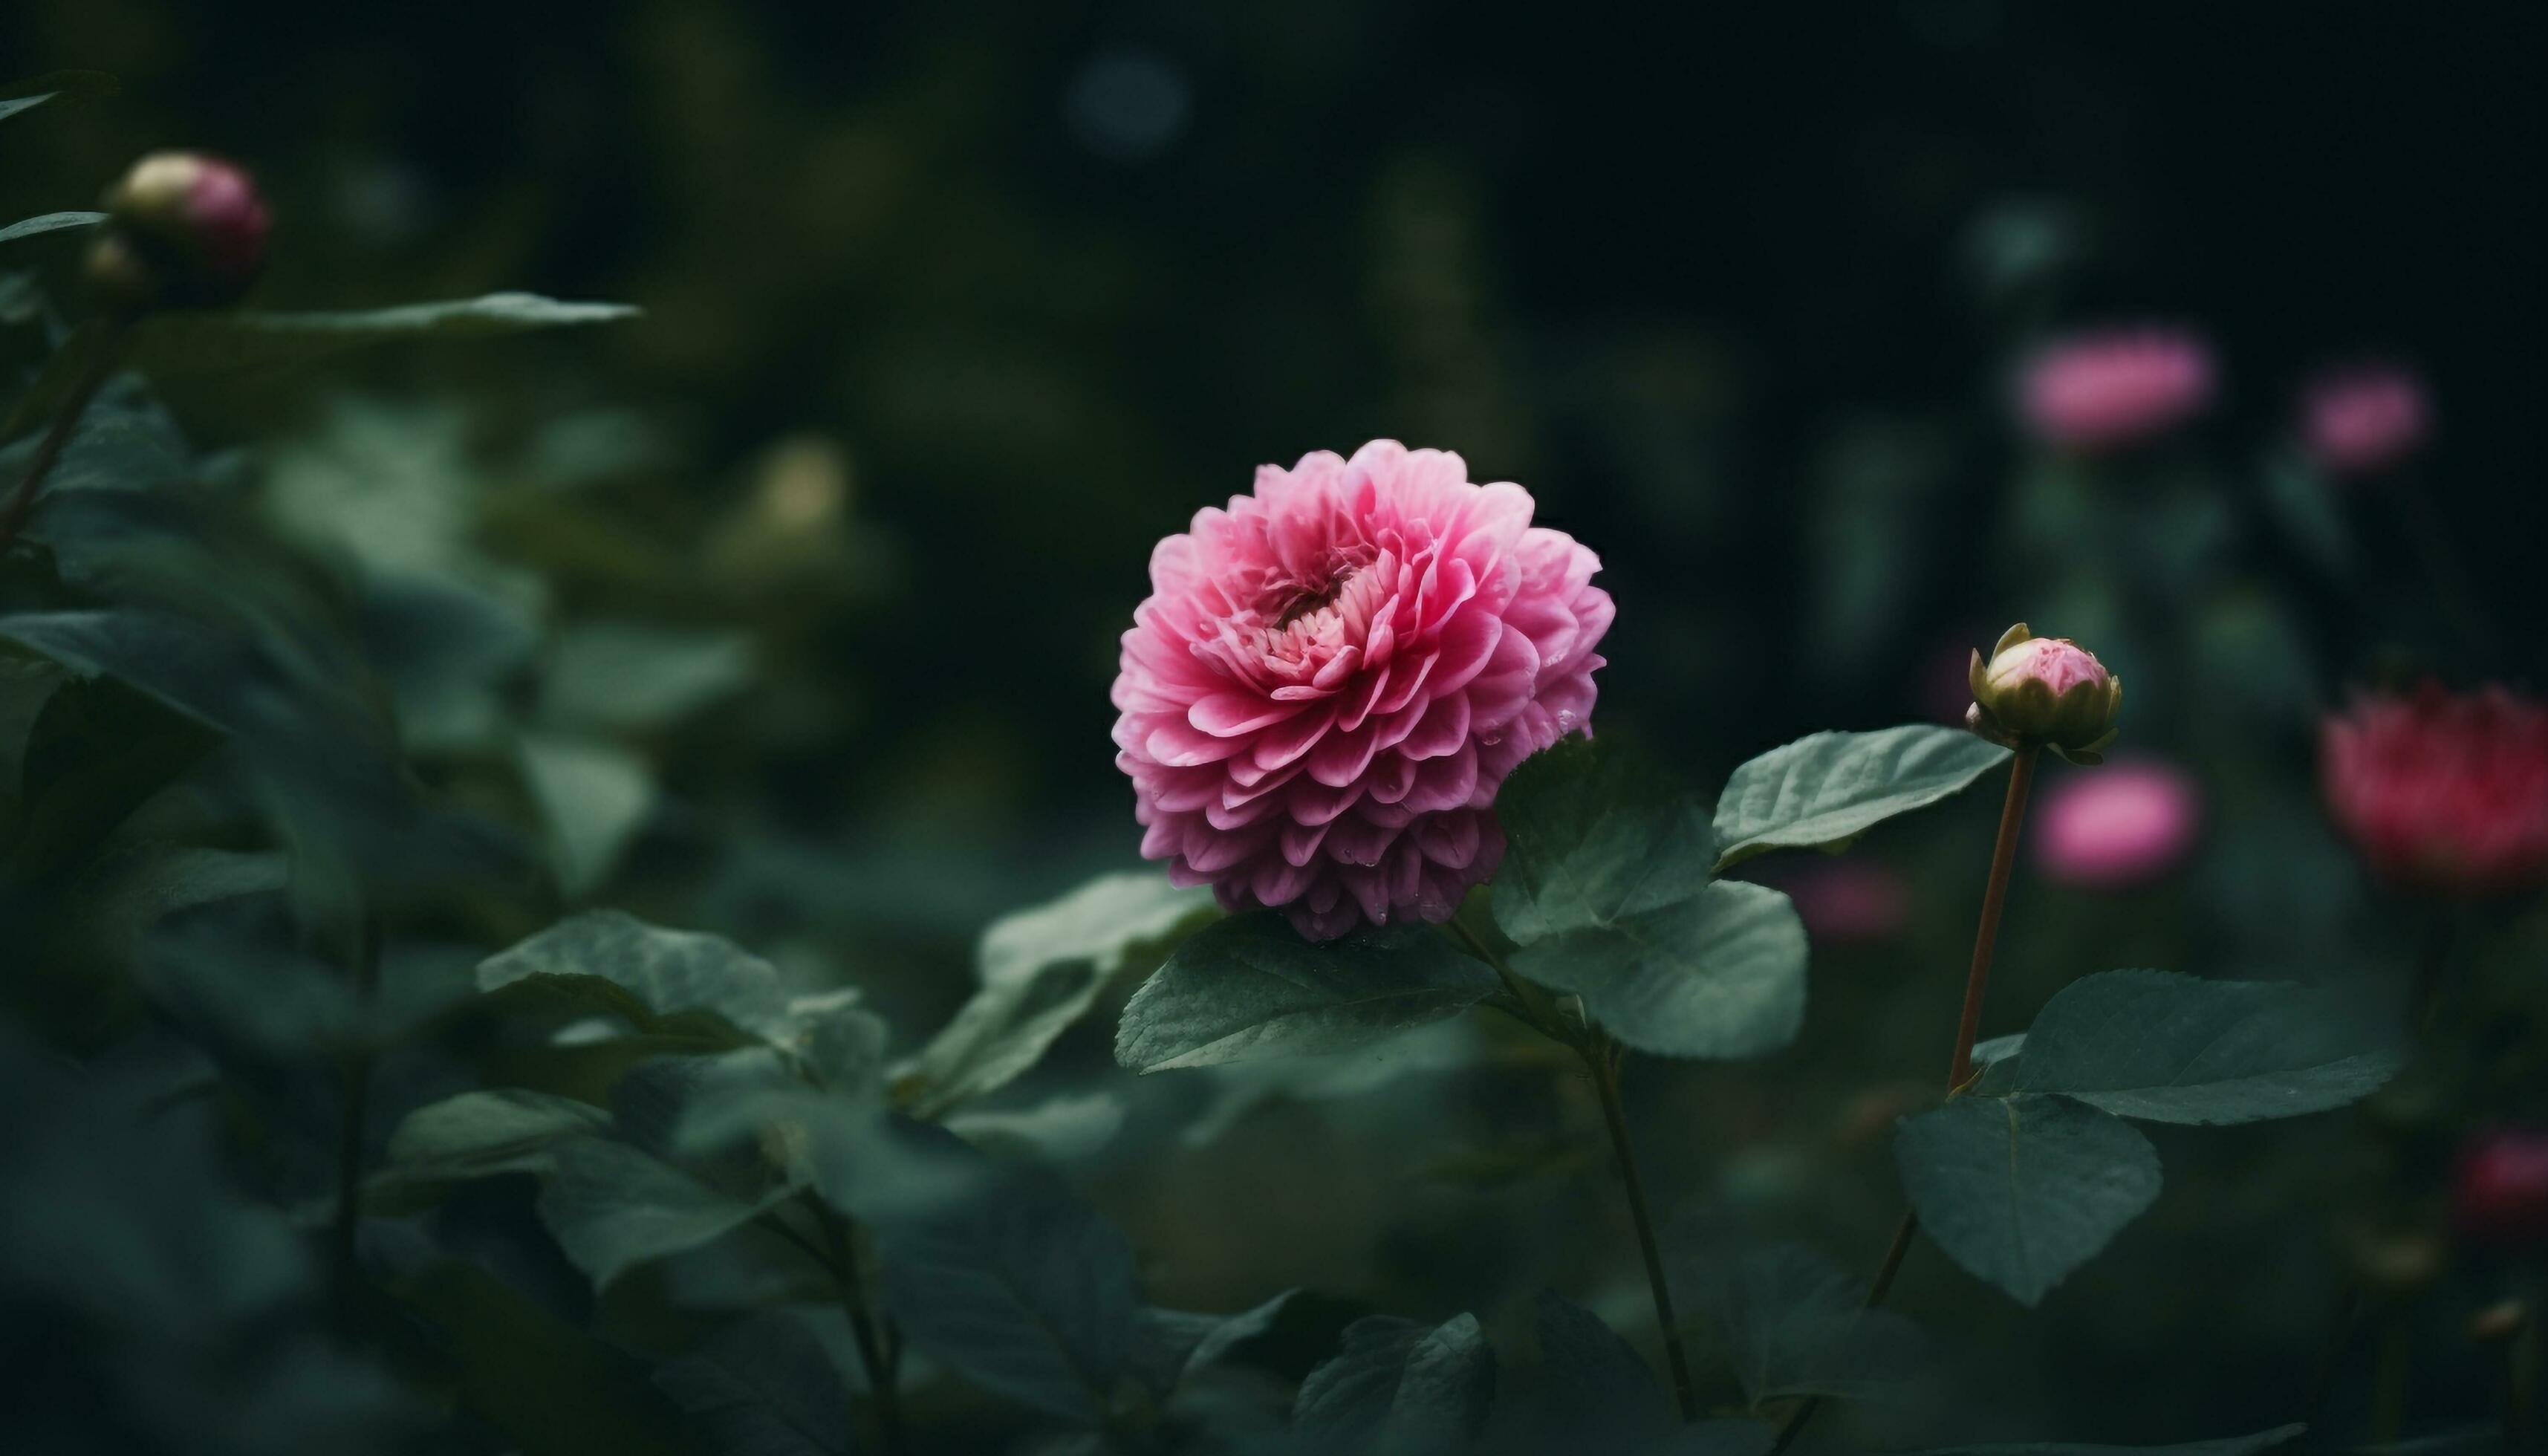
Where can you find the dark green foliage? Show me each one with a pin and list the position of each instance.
(1606, 891)
(1399, 1386)
(1826, 789)
(1251, 988)
(2022, 1189)
(2175, 1048)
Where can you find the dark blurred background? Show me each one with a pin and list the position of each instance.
(986, 298)
(1051, 276)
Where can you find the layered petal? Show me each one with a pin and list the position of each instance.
(1332, 675)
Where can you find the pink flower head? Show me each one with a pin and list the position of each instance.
(2125, 824)
(2442, 791)
(2500, 1188)
(2120, 387)
(1331, 679)
(2364, 419)
(202, 216)
(2057, 663)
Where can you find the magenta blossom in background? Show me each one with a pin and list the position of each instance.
(2125, 824)
(1332, 677)
(1851, 900)
(2363, 419)
(2120, 387)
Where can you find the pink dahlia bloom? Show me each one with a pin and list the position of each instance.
(2125, 824)
(2364, 419)
(2443, 792)
(1331, 679)
(2120, 387)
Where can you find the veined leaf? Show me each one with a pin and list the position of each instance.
(1025, 1291)
(1828, 788)
(668, 971)
(614, 1207)
(1720, 975)
(49, 222)
(1042, 969)
(2179, 1048)
(229, 339)
(1400, 1387)
(1594, 836)
(2023, 1190)
(1253, 987)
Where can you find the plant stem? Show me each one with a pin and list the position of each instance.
(1533, 1004)
(1960, 1069)
(880, 1363)
(349, 1140)
(2012, 818)
(22, 501)
(1603, 1056)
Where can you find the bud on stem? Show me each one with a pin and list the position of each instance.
(2046, 691)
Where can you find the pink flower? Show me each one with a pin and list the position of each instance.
(2443, 792)
(183, 228)
(2500, 1188)
(2120, 387)
(2125, 824)
(2364, 419)
(1842, 901)
(1331, 679)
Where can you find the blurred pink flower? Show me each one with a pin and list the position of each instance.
(2443, 791)
(2364, 418)
(1332, 678)
(2119, 387)
(2123, 824)
(1842, 901)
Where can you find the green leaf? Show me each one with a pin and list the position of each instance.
(1251, 988)
(1593, 836)
(49, 222)
(764, 1387)
(1720, 975)
(35, 91)
(1041, 971)
(614, 1207)
(120, 901)
(475, 1135)
(668, 971)
(1070, 1126)
(227, 340)
(631, 676)
(1794, 1324)
(2179, 1048)
(1025, 1291)
(1285, 1335)
(1400, 1387)
(1596, 1380)
(2263, 1440)
(594, 795)
(2022, 1189)
(1828, 788)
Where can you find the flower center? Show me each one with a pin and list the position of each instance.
(1307, 599)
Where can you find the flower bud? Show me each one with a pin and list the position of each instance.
(2500, 1194)
(182, 229)
(2044, 690)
